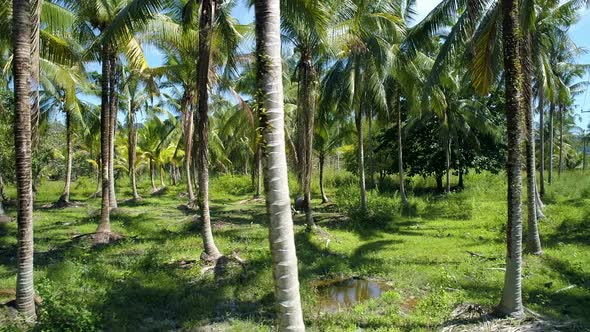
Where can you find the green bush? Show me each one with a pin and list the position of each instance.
(380, 209)
(236, 185)
(59, 312)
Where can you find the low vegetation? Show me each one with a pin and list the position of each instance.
(439, 252)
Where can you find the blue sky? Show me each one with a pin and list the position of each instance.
(580, 33)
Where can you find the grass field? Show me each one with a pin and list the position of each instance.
(442, 251)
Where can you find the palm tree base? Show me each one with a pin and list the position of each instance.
(101, 238)
(509, 312)
(211, 257)
(536, 252)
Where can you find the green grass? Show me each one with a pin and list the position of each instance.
(137, 284)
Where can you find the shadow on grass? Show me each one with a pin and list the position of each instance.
(570, 231)
(560, 306)
(165, 297)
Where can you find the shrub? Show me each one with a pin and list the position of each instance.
(380, 209)
(59, 313)
(236, 185)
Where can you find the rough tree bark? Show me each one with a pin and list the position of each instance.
(511, 303)
(113, 109)
(188, 143)
(153, 175)
(65, 197)
(561, 110)
(542, 140)
(35, 71)
(305, 126)
(205, 35)
(448, 165)
(533, 240)
(551, 139)
(25, 292)
(282, 241)
(103, 232)
(322, 160)
(397, 106)
(370, 148)
(132, 140)
(358, 120)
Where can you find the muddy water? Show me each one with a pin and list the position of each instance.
(337, 294)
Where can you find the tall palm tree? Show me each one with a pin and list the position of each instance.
(116, 22)
(282, 241)
(37, 6)
(213, 16)
(363, 42)
(207, 17)
(511, 303)
(103, 231)
(22, 27)
(304, 26)
(139, 87)
(331, 130)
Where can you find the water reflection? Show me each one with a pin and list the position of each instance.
(340, 293)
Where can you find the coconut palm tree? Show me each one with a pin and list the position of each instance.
(511, 303)
(213, 16)
(363, 42)
(282, 241)
(331, 130)
(139, 87)
(64, 99)
(181, 80)
(22, 27)
(460, 116)
(304, 27)
(155, 138)
(116, 23)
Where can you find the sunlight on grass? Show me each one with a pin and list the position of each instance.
(444, 251)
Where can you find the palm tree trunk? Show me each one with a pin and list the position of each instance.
(511, 303)
(560, 169)
(205, 32)
(25, 292)
(370, 148)
(322, 190)
(153, 175)
(98, 178)
(258, 172)
(2, 198)
(2, 193)
(114, 100)
(162, 184)
(448, 165)
(65, 197)
(132, 139)
(542, 141)
(173, 174)
(361, 158)
(551, 139)
(188, 142)
(533, 240)
(103, 231)
(358, 120)
(305, 130)
(35, 71)
(402, 189)
(278, 205)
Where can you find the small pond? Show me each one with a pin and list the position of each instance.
(336, 294)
